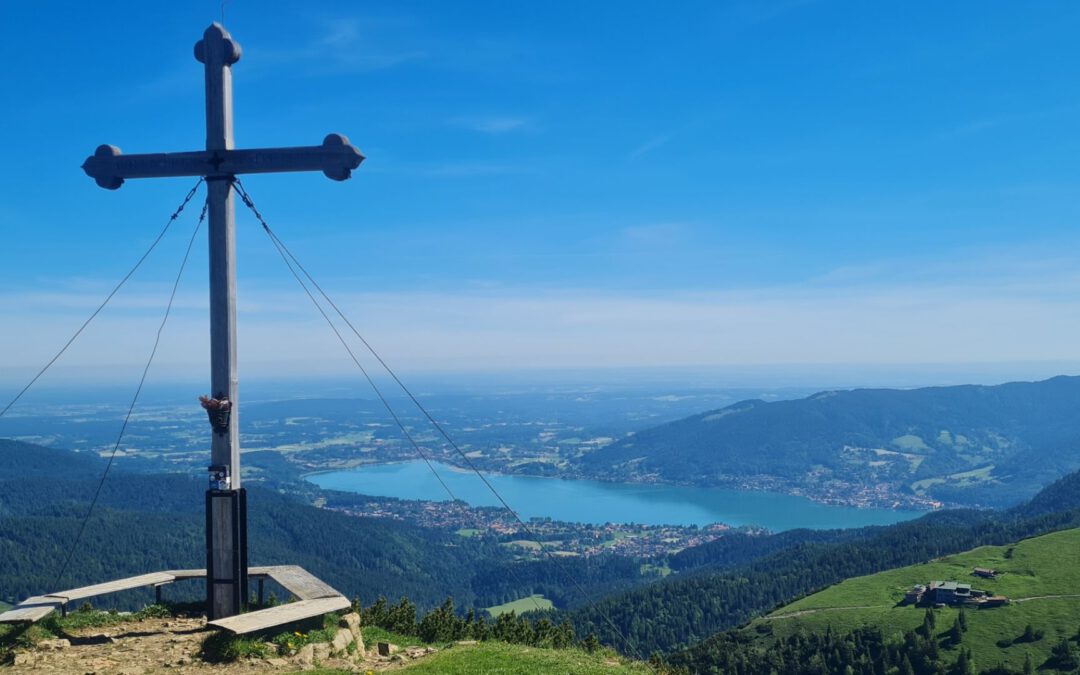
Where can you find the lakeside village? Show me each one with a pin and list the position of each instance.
(558, 537)
(944, 593)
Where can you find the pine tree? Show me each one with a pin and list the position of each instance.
(964, 664)
(1029, 634)
(402, 617)
(905, 666)
(564, 635)
(1063, 657)
(956, 633)
(591, 643)
(928, 623)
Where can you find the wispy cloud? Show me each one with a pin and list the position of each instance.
(493, 124)
(648, 146)
(653, 234)
(342, 45)
(450, 168)
(985, 124)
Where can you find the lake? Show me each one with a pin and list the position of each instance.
(588, 501)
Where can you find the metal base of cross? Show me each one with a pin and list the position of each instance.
(226, 553)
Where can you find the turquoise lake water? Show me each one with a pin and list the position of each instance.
(587, 501)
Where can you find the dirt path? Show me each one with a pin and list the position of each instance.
(804, 612)
(1045, 597)
(153, 646)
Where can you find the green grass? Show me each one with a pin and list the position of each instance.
(522, 605)
(467, 532)
(962, 479)
(4, 606)
(504, 659)
(524, 543)
(373, 635)
(223, 647)
(1046, 565)
(910, 442)
(661, 570)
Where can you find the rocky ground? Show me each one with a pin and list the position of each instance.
(173, 645)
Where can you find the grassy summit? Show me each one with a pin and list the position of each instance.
(1041, 577)
(507, 659)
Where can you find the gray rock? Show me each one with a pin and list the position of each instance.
(322, 651)
(342, 640)
(306, 655)
(58, 643)
(352, 622)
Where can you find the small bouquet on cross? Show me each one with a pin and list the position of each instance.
(217, 409)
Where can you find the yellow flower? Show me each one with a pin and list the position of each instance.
(298, 634)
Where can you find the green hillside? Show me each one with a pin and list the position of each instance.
(1041, 576)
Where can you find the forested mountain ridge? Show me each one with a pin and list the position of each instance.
(991, 445)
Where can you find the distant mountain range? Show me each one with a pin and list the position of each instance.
(975, 445)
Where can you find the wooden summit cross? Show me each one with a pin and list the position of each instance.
(226, 505)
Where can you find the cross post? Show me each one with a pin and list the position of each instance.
(226, 500)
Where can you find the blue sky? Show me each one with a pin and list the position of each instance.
(567, 184)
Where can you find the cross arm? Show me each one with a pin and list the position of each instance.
(336, 158)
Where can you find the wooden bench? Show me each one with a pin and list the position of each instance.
(31, 610)
(281, 615)
(130, 583)
(315, 597)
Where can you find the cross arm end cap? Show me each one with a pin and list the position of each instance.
(97, 167)
(216, 35)
(345, 158)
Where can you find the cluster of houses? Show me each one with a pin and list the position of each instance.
(942, 593)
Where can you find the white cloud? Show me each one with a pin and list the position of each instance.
(1002, 318)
